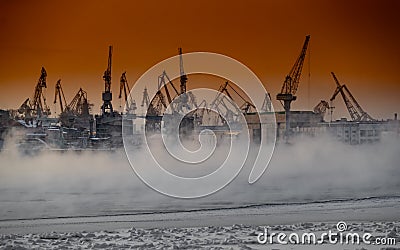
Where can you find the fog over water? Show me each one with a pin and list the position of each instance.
(54, 184)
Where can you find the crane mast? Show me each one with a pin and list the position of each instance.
(291, 84)
(354, 109)
(107, 107)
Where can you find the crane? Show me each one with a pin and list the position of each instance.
(183, 76)
(321, 108)
(267, 105)
(185, 101)
(153, 110)
(291, 84)
(354, 109)
(146, 98)
(39, 100)
(77, 112)
(232, 113)
(25, 108)
(124, 86)
(79, 104)
(36, 106)
(107, 107)
(246, 107)
(162, 82)
(60, 94)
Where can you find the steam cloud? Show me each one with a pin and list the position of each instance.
(52, 184)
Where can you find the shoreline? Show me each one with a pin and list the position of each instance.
(351, 211)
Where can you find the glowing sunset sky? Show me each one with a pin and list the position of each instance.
(358, 40)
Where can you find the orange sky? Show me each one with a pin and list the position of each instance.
(358, 40)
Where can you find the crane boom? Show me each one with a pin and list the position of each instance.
(124, 86)
(60, 94)
(107, 73)
(162, 82)
(350, 108)
(353, 107)
(291, 83)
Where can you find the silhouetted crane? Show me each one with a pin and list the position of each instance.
(60, 94)
(291, 84)
(183, 76)
(36, 107)
(107, 107)
(124, 86)
(321, 108)
(354, 109)
(79, 104)
(267, 104)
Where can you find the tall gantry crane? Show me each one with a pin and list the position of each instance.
(354, 109)
(124, 86)
(59, 93)
(291, 84)
(107, 107)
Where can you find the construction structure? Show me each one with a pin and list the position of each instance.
(33, 112)
(356, 112)
(59, 94)
(167, 95)
(130, 104)
(109, 123)
(361, 129)
(290, 86)
(77, 113)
